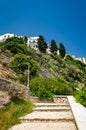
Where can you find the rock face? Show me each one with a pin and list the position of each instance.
(5, 70)
(15, 90)
(4, 99)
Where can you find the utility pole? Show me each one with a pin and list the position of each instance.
(28, 79)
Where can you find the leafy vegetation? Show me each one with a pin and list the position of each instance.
(15, 45)
(46, 88)
(19, 63)
(15, 40)
(34, 67)
(10, 115)
(81, 97)
(68, 74)
(79, 64)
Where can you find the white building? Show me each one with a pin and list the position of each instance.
(5, 36)
(48, 49)
(32, 42)
(83, 60)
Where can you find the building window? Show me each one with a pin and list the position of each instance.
(33, 41)
(5, 36)
(36, 46)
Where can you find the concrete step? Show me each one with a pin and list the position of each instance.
(47, 117)
(45, 126)
(51, 109)
(51, 105)
(56, 115)
(42, 120)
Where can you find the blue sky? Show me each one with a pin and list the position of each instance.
(61, 20)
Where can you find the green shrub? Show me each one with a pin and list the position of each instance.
(23, 79)
(68, 58)
(15, 40)
(16, 48)
(15, 45)
(31, 51)
(57, 57)
(19, 63)
(34, 67)
(77, 63)
(46, 88)
(80, 65)
(1, 44)
(43, 93)
(81, 97)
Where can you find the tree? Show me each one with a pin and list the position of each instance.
(62, 50)
(19, 63)
(53, 47)
(25, 39)
(42, 45)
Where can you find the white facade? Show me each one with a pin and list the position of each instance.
(48, 49)
(5, 36)
(83, 60)
(32, 42)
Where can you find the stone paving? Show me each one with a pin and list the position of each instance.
(54, 109)
(48, 116)
(45, 126)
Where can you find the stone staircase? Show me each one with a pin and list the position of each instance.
(56, 115)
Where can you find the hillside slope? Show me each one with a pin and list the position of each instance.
(15, 57)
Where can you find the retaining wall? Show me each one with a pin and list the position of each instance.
(15, 90)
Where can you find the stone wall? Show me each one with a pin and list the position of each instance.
(4, 99)
(56, 99)
(38, 100)
(15, 90)
(61, 99)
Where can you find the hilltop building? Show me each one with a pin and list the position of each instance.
(32, 42)
(5, 36)
(83, 60)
